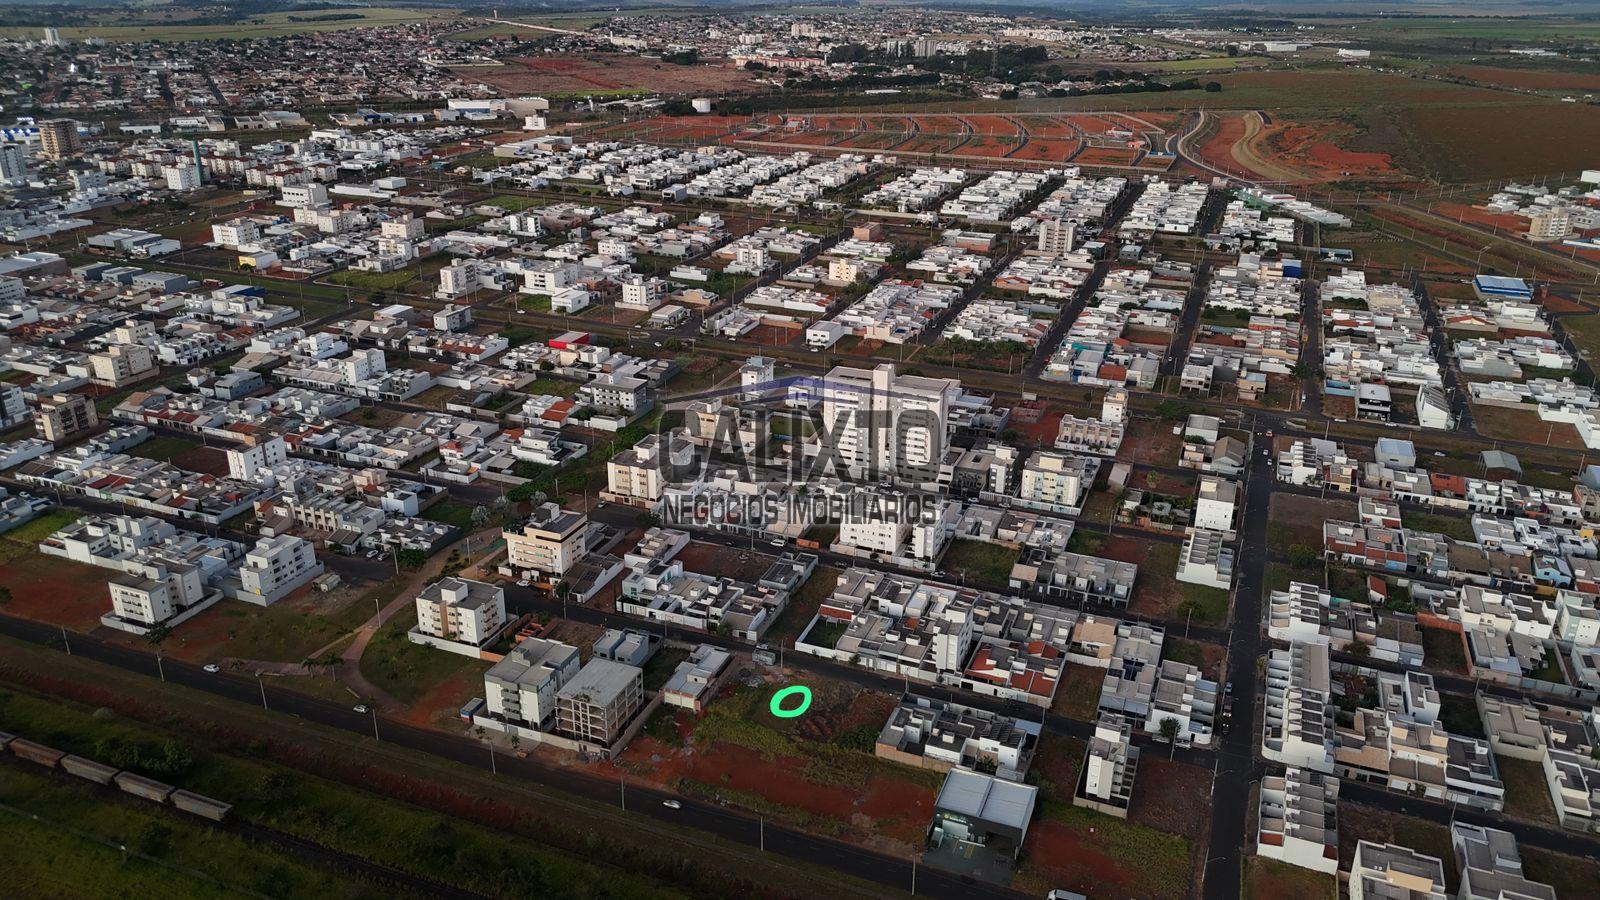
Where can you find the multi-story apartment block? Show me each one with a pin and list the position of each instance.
(596, 706)
(62, 418)
(1298, 822)
(461, 611)
(520, 690)
(550, 542)
(275, 567)
(1298, 729)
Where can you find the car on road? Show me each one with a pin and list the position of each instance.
(602, 504)
(776, 542)
(523, 582)
(213, 668)
(372, 554)
(672, 804)
(1227, 689)
(362, 708)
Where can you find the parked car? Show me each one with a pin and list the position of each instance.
(213, 668)
(523, 582)
(363, 708)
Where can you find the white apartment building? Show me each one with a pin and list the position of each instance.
(121, 364)
(1298, 728)
(880, 423)
(275, 567)
(1298, 822)
(1056, 237)
(520, 690)
(1215, 503)
(236, 233)
(248, 462)
(1056, 482)
(461, 611)
(549, 543)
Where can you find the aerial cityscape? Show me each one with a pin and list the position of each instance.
(872, 449)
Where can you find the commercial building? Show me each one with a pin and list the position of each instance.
(975, 811)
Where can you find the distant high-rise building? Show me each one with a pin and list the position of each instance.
(1056, 236)
(52, 37)
(13, 164)
(58, 138)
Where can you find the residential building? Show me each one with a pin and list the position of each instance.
(58, 138)
(461, 611)
(942, 735)
(1298, 726)
(1491, 866)
(596, 706)
(549, 543)
(1392, 872)
(1298, 820)
(275, 567)
(63, 418)
(695, 679)
(521, 688)
(1109, 767)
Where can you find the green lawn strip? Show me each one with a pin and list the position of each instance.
(70, 847)
(451, 512)
(1203, 603)
(163, 448)
(37, 529)
(382, 829)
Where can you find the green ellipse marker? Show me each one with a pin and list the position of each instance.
(800, 690)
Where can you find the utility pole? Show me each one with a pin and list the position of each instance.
(64, 641)
(622, 785)
(263, 688)
(375, 725)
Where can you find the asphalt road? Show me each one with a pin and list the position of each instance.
(1236, 769)
(734, 826)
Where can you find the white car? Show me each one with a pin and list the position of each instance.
(213, 668)
(672, 804)
(362, 708)
(523, 582)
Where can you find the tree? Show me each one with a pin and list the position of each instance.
(1169, 731)
(5, 596)
(480, 515)
(411, 558)
(1358, 649)
(157, 635)
(1213, 87)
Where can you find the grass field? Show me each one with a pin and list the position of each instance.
(62, 840)
(410, 671)
(37, 529)
(980, 560)
(380, 827)
(261, 26)
(373, 281)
